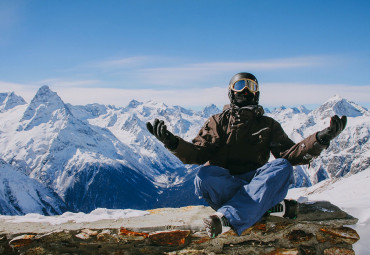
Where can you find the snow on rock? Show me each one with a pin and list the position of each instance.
(45, 106)
(95, 215)
(303, 109)
(88, 111)
(133, 104)
(210, 110)
(9, 101)
(340, 106)
(84, 164)
(181, 231)
(20, 194)
(103, 156)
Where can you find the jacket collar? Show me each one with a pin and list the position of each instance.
(244, 114)
(257, 110)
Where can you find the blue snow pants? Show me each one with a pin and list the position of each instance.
(244, 199)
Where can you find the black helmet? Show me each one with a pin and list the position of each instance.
(251, 98)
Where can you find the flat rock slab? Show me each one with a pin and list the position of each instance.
(184, 218)
(323, 211)
(159, 219)
(318, 229)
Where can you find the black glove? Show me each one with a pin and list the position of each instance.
(159, 130)
(336, 127)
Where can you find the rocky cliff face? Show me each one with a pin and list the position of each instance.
(318, 229)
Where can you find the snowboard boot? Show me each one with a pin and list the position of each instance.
(286, 208)
(216, 224)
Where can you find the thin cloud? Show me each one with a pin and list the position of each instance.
(121, 62)
(256, 65)
(138, 62)
(200, 72)
(61, 83)
(159, 71)
(272, 94)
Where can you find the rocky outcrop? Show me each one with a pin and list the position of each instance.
(318, 229)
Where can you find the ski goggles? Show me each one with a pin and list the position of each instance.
(241, 84)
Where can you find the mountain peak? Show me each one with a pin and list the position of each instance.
(10, 100)
(279, 109)
(210, 110)
(337, 105)
(42, 106)
(303, 109)
(45, 94)
(45, 88)
(336, 97)
(134, 103)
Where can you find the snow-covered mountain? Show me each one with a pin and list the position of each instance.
(348, 153)
(9, 101)
(103, 156)
(20, 194)
(94, 156)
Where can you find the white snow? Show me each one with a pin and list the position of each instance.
(50, 141)
(351, 194)
(20, 194)
(95, 215)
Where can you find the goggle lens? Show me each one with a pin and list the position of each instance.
(241, 84)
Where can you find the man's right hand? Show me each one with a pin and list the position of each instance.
(159, 130)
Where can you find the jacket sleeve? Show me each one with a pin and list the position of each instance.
(297, 154)
(303, 152)
(203, 146)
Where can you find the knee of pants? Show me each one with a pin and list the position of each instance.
(283, 165)
(209, 178)
(201, 178)
(280, 165)
(205, 173)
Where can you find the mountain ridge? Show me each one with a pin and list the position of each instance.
(85, 154)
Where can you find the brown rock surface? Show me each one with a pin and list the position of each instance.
(180, 231)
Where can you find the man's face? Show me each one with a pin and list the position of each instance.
(244, 98)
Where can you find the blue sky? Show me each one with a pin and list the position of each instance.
(185, 51)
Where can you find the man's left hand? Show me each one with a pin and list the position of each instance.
(336, 127)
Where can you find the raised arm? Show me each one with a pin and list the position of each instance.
(304, 151)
